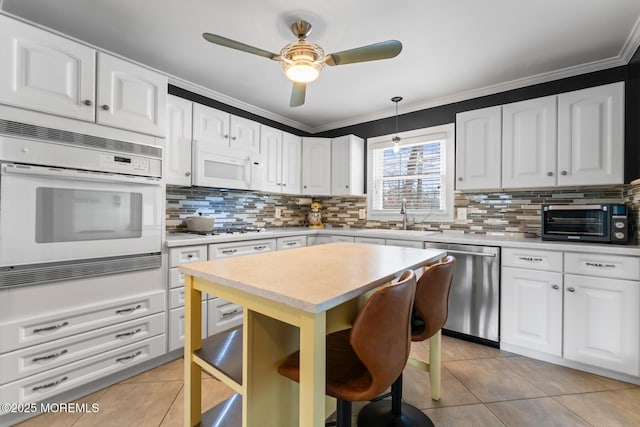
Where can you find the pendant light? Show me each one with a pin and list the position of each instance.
(396, 139)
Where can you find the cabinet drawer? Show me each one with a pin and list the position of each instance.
(176, 278)
(176, 297)
(176, 326)
(404, 243)
(370, 240)
(55, 381)
(221, 250)
(36, 330)
(222, 315)
(291, 242)
(532, 259)
(39, 358)
(187, 254)
(609, 266)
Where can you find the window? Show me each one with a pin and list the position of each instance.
(420, 172)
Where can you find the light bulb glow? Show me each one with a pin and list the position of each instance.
(302, 72)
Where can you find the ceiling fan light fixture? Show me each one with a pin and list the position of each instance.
(302, 61)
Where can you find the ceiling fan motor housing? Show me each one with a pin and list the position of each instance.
(302, 61)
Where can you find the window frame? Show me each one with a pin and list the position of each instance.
(409, 138)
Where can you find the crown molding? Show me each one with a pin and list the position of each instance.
(250, 108)
(487, 90)
(632, 44)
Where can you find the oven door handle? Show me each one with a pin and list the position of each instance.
(78, 175)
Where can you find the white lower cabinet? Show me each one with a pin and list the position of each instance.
(592, 319)
(291, 242)
(601, 322)
(43, 357)
(247, 247)
(176, 326)
(321, 240)
(47, 384)
(532, 309)
(222, 315)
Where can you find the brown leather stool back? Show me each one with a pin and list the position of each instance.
(432, 299)
(381, 336)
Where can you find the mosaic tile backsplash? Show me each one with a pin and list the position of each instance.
(509, 211)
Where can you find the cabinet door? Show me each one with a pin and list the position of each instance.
(245, 134)
(531, 309)
(529, 143)
(478, 152)
(316, 166)
(271, 153)
(130, 96)
(291, 163)
(347, 165)
(45, 72)
(601, 321)
(211, 127)
(591, 136)
(177, 153)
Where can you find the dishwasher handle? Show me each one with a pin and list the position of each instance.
(480, 254)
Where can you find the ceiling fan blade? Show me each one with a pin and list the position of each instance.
(297, 94)
(373, 52)
(223, 41)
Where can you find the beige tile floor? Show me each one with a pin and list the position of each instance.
(481, 386)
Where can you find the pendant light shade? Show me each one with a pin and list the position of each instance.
(396, 139)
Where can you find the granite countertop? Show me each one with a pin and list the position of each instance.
(506, 240)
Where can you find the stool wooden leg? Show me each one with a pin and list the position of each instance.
(435, 361)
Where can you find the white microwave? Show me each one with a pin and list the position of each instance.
(225, 168)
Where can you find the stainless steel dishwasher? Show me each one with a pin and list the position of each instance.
(474, 300)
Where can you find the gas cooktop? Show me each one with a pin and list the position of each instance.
(228, 230)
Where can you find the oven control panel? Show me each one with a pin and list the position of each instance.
(124, 164)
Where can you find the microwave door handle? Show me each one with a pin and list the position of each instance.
(77, 175)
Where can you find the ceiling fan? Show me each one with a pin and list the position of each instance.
(302, 61)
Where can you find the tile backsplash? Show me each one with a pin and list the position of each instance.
(508, 211)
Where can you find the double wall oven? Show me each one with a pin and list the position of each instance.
(74, 205)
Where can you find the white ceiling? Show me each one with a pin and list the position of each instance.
(453, 50)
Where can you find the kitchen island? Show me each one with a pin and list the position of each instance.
(291, 300)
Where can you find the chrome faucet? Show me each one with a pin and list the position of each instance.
(403, 212)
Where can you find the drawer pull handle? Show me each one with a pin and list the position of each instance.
(556, 287)
(50, 328)
(530, 259)
(229, 251)
(190, 256)
(49, 356)
(571, 289)
(291, 243)
(128, 310)
(230, 313)
(599, 265)
(129, 357)
(259, 248)
(53, 384)
(128, 334)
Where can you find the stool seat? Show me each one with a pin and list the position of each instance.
(364, 361)
(347, 377)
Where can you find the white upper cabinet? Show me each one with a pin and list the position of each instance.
(591, 136)
(130, 96)
(45, 72)
(271, 153)
(219, 130)
(347, 165)
(316, 166)
(177, 152)
(529, 143)
(478, 149)
(245, 134)
(291, 163)
(281, 154)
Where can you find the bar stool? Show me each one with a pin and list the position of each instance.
(430, 310)
(363, 361)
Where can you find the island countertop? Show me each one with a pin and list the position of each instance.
(315, 278)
